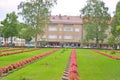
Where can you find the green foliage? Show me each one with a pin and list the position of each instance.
(111, 40)
(0, 50)
(85, 42)
(116, 24)
(117, 27)
(63, 50)
(10, 24)
(113, 52)
(36, 14)
(95, 20)
(25, 32)
(43, 42)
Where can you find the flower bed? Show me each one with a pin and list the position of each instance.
(108, 55)
(20, 51)
(11, 49)
(10, 68)
(72, 69)
(118, 52)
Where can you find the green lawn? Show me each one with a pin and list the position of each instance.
(48, 68)
(110, 52)
(94, 66)
(6, 60)
(91, 66)
(10, 50)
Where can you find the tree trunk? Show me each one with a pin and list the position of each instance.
(97, 40)
(97, 43)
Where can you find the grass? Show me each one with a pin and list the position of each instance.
(94, 66)
(13, 50)
(48, 68)
(111, 52)
(91, 66)
(6, 60)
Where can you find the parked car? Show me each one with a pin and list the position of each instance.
(29, 45)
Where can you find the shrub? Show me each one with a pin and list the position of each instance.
(112, 52)
(63, 50)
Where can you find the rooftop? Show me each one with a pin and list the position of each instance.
(66, 19)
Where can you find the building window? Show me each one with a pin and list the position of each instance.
(52, 28)
(68, 25)
(52, 36)
(67, 37)
(77, 29)
(60, 29)
(60, 37)
(68, 29)
(77, 37)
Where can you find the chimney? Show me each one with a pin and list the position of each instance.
(60, 17)
(80, 16)
(68, 17)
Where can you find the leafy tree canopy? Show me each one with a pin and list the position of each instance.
(36, 14)
(10, 24)
(115, 30)
(95, 20)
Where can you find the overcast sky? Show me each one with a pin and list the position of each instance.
(63, 7)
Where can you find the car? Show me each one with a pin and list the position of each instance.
(29, 45)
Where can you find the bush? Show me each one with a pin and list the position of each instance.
(112, 52)
(63, 50)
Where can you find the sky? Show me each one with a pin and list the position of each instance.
(63, 7)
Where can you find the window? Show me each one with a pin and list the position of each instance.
(68, 29)
(52, 36)
(52, 28)
(60, 37)
(67, 37)
(68, 25)
(60, 29)
(77, 29)
(77, 37)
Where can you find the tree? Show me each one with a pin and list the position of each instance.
(10, 24)
(36, 14)
(26, 33)
(111, 41)
(116, 25)
(95, 20)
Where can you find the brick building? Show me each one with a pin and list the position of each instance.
(63, 31)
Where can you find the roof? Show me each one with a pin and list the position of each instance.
(66, 19)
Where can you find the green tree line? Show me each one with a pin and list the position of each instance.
(35, 15)
(97, 20)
